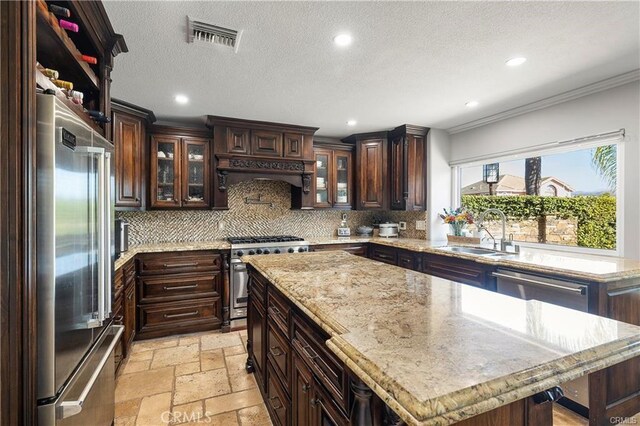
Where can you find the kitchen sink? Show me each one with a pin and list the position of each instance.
(474, 250)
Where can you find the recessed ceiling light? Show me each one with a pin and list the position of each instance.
(342, 39)
(182, 99)
(472, 104)
(514, 62)
(352, 123)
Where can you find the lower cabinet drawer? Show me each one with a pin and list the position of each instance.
(176, 287)
(309, 344)
(178, 262)
(383, 254)
(458, 270)
(162, 319)
(278, 354)
(277, 401)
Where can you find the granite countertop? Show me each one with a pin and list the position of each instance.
(162, 247)
(571, 265)
(438, 352)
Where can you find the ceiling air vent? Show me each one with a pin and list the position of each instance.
(213, 34)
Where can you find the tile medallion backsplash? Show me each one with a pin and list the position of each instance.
(250, 219)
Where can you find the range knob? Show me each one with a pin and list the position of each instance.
(239, 253)
(291, 250)
(301, 249)
(266, 251)
(259, 251)
(277, 251)
(251, 252)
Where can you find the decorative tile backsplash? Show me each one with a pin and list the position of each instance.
(253, 219)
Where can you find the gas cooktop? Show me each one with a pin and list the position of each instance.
(264, 239)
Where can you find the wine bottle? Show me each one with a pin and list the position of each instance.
(98, 116)
(63, 84)
(69, 26)
(53, 74)
(90, 59)
(59, 10)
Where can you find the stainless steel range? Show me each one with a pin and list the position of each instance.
(241, 246)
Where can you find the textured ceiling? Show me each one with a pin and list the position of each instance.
(410, 62)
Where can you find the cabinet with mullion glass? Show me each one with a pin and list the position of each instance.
(333, 181)
(179, 172)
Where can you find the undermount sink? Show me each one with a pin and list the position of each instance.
(474, 250)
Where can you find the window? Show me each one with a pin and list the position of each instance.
(562, 196)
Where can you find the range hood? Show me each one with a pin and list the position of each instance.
(246, 150)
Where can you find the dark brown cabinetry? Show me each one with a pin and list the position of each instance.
(129, 124)
(384, 254)
(333, 185)
(302, 382)
(372, 173)
(391, 169)
(408, 147)
(246, 149)
(179, 176)
(179, 293)
(459, 270)
(124, 308)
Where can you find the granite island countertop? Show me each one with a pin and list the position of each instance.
(571, 265)
(438, 352)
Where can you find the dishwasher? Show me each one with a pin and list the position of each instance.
(558, 292)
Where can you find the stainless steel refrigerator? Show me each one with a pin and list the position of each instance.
(75, 253)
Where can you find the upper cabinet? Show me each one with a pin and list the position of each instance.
(371, 170)
(129, 124)
(391, 169)
(333, 185)
(179, 163)
(408, 151)
(246, 149)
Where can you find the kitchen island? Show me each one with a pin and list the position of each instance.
(326, 329)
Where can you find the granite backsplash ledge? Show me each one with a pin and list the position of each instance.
(254, 219)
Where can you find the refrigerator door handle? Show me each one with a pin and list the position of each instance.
(107, 225)
(71, 408)
(103, 205)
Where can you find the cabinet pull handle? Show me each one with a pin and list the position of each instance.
(274, 311)
(179, 265)
(384, 256)
(186, 314)
(276, 351)
(306, 387)
(314, 401)
(180, 287)
(130, 296)
(310, 352)
(272, 400)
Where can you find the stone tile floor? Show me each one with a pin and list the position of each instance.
(199, 379)
(191, 379)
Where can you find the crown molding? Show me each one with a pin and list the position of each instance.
(550, 101)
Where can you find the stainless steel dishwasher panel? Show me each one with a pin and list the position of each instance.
(544, 289)
(558, 292)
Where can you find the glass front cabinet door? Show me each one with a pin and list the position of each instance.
(195, 172)
(165, 171)
(179, 172)
(333, 185)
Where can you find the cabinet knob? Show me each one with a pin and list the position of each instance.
(306, 387)
(314, 401)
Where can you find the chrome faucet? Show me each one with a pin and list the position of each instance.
(503, 241)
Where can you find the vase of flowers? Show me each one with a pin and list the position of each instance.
(457, 220)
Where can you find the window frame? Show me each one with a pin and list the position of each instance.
(557, 148)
